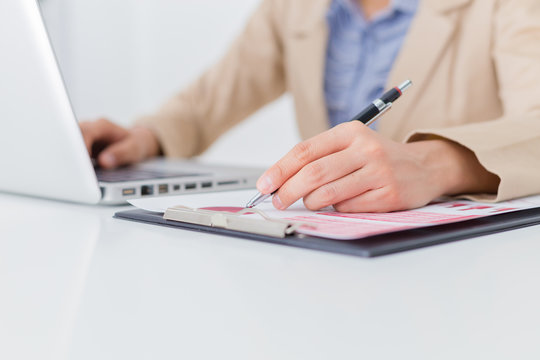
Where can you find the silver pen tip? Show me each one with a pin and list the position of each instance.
(253, 202)
(257, 199)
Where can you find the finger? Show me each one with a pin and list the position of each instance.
(317, 174)
(376, 201)
(121, 153)
(347, 187)
(328, 142)
(101, 130)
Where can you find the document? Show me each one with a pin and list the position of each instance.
(330, 224)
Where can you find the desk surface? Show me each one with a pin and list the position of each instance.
(78, 284)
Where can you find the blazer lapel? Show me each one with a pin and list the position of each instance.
(427, 39)
(307, 58)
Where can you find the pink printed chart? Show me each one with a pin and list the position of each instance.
(352, 226)
(330, 224)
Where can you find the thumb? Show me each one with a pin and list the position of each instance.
(121, 153)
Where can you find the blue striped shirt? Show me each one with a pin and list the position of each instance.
(360, 54)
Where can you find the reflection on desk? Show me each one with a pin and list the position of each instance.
(77, 284)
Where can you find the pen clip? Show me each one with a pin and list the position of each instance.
(386, 107)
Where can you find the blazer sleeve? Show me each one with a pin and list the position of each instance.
(250, 75)
(509, 146)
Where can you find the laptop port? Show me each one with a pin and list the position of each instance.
(128, 192)
(229, 182)
(191, 186)
(206, 185)
(176, 187)
(147, 190)
(163, 188)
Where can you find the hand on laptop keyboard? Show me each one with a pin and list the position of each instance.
(113, 146)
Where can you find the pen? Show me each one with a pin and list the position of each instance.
(366, 116)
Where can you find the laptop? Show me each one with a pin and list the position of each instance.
(42, 152)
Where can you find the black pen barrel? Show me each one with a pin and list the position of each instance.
(367, 114)
(391, 95)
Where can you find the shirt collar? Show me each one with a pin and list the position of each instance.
(351, 7)
(405, 6)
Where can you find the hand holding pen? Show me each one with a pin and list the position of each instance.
(355, 169)
(377, 108)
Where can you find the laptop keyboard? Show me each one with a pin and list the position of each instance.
(130, 174)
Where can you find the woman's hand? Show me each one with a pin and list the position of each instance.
(354, 169)
(112, 145)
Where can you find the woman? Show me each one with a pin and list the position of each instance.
(470, 126)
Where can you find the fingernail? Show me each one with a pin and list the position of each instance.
(108, 159)
(277, 202)
(264, 185)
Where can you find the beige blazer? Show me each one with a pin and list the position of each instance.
(475, 65)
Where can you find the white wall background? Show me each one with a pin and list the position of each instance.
(123, 58)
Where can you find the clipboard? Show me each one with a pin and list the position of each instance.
(372, 246)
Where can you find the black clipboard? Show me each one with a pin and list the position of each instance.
(372, 246)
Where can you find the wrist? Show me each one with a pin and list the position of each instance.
(456, 169)
(449, 169)
(148, 139)
(437, 160)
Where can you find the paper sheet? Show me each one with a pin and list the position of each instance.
(341, 226)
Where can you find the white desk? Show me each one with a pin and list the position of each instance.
(77, 284)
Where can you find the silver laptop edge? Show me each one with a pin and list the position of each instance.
(42, 152)
(209, 178)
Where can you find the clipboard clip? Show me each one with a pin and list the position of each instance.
(233, 221)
